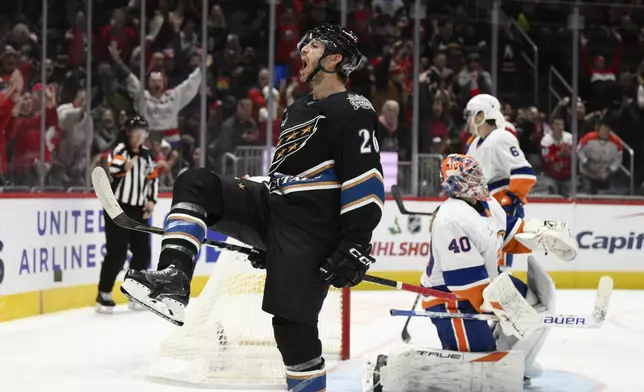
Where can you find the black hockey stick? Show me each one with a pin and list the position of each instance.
(397, 194)
(105, 195)
(406, 337)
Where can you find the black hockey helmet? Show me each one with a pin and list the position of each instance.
(136, 122)
(337, 40)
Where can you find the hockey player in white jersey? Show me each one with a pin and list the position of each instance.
(469, 232)
(509, 175)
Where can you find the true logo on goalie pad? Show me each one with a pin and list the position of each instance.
(564, 320)
(438, 354)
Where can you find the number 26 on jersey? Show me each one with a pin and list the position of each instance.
(368, 140)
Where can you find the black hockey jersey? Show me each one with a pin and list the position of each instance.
(326, 170)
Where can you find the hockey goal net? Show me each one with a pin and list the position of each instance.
(227, 340)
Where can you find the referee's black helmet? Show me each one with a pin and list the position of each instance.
(337, 40)
(136, 122)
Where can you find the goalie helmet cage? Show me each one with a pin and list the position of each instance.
(227, 339)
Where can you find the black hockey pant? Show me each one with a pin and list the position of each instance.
(294, 291)
(117, 241)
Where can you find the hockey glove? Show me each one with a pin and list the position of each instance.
(512, 205)
(257, 258)
(347, 266)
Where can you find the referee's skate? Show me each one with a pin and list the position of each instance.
(165, 292)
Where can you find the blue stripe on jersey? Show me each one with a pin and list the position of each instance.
(315, 383)
(430, 265)
(526, 170)
(372, 186)
(283, 182)
(465, 276)
(177, 225)
(510, 223)
(497, 184)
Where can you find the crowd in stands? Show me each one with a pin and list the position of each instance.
(455, 65)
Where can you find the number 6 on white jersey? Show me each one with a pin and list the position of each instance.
(366, 138)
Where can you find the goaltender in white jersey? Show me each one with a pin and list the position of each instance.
(469, 232)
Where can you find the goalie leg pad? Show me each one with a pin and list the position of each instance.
(516, 315)
(462, 335)
(541, 295)
(410, 368)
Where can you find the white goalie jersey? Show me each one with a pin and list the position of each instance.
(466, 248)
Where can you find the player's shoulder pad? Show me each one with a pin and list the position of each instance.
(504, 137)
(452, 213)
(495, 208)
(358, 102)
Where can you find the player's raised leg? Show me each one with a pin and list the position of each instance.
(200, 199)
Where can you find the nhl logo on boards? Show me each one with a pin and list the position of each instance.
(358, 101)
(414, 224)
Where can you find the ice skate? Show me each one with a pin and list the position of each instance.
(104, 303)
(164, 292)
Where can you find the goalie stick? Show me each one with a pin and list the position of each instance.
(397, 194)
(404, 334)
(398, 198)
(594, 320)
(103, 189)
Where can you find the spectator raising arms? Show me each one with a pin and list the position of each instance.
(162, 106)
(25, 129)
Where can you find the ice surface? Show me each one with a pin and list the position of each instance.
(80, 351)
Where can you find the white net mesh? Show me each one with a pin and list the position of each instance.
(227, 340)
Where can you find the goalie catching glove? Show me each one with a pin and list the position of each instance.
(550, 236)
(348, 265)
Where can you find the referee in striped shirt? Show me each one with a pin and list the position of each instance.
(135, 185)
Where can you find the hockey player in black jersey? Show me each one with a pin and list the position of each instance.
(313, 220)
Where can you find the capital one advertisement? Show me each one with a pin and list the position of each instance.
(49, 243)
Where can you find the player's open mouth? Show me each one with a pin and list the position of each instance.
(305, 63)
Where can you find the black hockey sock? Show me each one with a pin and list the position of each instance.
(196, 204)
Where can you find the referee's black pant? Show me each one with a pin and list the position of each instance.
(117, 241)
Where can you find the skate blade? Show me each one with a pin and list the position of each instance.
(165, 308)
(102, 309)
(135, 307)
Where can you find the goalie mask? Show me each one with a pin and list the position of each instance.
(336, 40)
(462, 177)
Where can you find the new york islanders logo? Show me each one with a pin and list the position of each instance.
(292, 140)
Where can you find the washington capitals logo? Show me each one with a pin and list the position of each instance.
(292, 140)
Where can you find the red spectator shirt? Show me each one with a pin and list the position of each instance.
(125, 41)
(6, 107)
(555, 155)
(25, 132)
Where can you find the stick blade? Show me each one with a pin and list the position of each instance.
(103, 189)
(604, 292)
